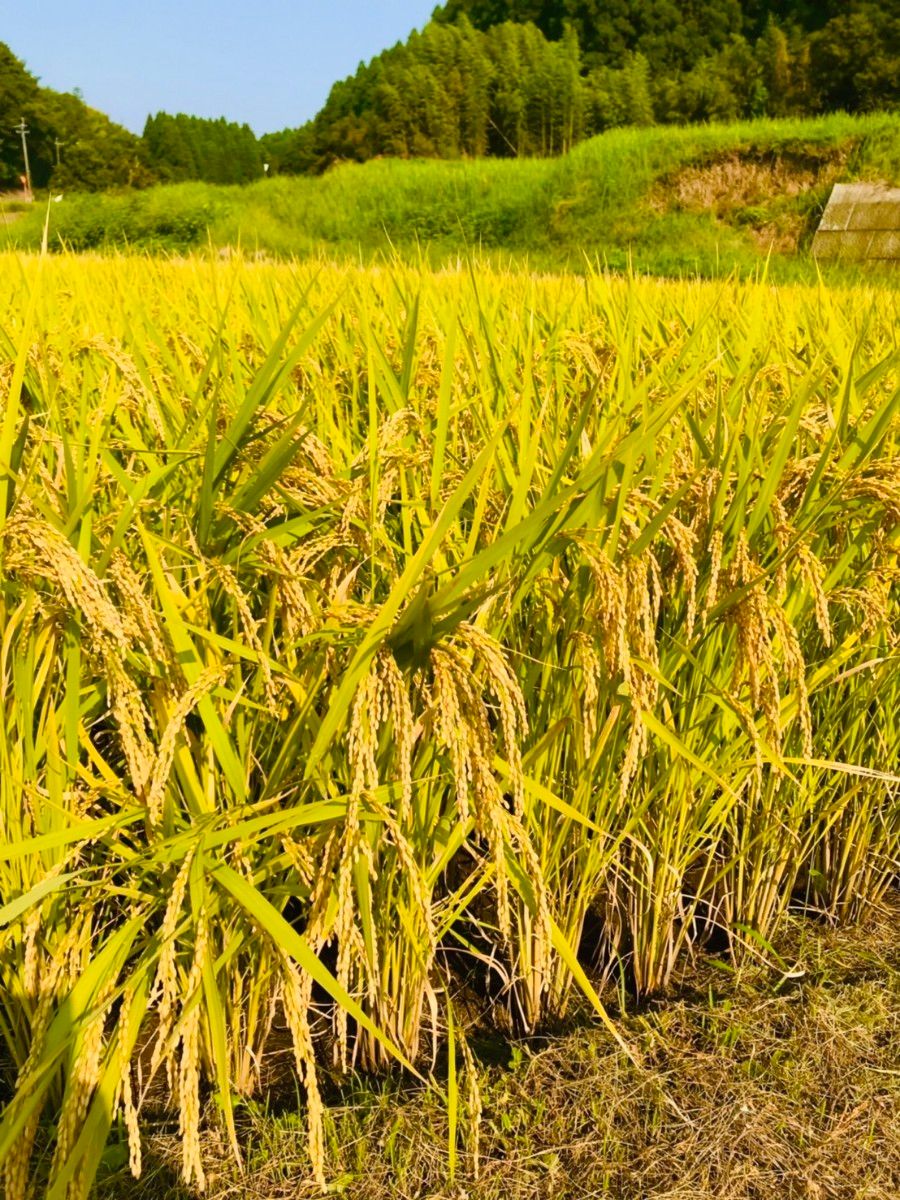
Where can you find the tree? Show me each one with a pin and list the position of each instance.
(520, 77)
(854, 59)
(70, 144)
(289, 152)
(18, 93)
(774, 60)
(89, 152)
(216, 151)
(671, 34)
(636, 99)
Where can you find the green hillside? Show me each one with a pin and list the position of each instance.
(508, 78)
(708, 199)
(498, 79)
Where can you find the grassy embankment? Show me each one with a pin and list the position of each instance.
(385, 655)
(672, 200)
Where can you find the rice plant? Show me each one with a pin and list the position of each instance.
(372, 635)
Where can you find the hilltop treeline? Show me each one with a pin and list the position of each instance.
(69, 143)
(513, 77)
(449, 91)
(182, 147)
(497, 77)
(72, 145)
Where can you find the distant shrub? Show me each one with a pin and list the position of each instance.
(165, 218)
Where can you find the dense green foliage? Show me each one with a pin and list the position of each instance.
(526, 77)
(505, 78)
(670, 33)
(449, 91)
(183, 147)
(73, 146)
(672, 201)
(69, 143)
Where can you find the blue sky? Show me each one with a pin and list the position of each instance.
(267, 62)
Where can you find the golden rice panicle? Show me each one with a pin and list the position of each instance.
(192, 1170)
(350, 948)
(750, 616)
(133, 722)
(298, 616)
(35, 550)
(52, 974)
(30, 956)
(643, 600)
(795, 667)
(229, 583)
(716, 545)
(513, 714)
(784, 533)
(813, 573)
(362, 738)
(588, 661)
(33, 955)
(871, 603)
(296, 998)
(382, 696)
(301, 858)
(399, 710)
(683, 542)
(138, 398)
(139, 619)
(450, 727)
(84, 1077)
(413, 875)
(608, 605)
(165, 990)
(206, 682)
(125, 1091)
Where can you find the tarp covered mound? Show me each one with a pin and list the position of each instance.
(861, 221)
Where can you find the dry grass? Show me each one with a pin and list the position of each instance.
(738, 178)
(768, 1083)
(772, 194)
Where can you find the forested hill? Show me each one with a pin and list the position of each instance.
(514, 77)
(73, 146)
(503, 78)
(68, 141)
(672, 34)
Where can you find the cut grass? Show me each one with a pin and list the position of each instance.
(758, 1083)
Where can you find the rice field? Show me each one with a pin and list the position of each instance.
(382, 645)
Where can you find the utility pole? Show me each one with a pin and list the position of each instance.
(57, 143)
(22, 129)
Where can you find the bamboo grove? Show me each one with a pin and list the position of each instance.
(375, 638)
